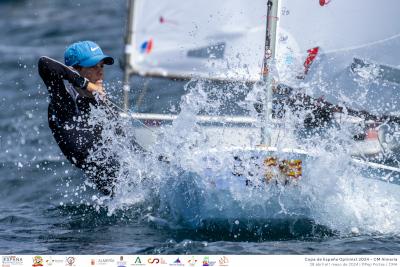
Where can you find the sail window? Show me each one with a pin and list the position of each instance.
(382, 72)
(215, 51)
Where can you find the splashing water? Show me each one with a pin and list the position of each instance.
(196, 186)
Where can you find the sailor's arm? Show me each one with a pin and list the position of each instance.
(53, 72)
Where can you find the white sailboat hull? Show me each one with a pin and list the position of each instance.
(220, 195)
(239, 134)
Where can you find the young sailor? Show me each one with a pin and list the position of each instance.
(72, 89)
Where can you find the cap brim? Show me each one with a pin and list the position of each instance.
(96, 59)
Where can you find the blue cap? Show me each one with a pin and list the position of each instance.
(85, 54)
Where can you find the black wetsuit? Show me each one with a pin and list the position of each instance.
(68, 115)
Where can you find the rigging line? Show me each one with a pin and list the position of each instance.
(362, 45)
(110, 110)
(123, 111)
(162, 158)
(98, 98)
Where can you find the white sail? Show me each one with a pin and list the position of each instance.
(353, 38)
(221, 39)
(318, 41)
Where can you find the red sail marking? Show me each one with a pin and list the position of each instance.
(149, 46)
(324, 2)
(312, 54)
(163, 20)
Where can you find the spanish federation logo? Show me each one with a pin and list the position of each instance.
(8, 261)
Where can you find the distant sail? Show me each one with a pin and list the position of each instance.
(221, 39)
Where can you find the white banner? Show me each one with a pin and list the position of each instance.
(200, 260)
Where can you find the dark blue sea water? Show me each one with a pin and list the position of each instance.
(42, 213)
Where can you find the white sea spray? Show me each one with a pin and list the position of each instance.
(332, 191)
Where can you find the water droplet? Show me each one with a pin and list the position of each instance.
(355, 231)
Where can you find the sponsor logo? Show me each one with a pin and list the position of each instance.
(151, 260)
(192, 261)
(70, 261)
(138, 262)
(94, 48)
(105, 261)
(177, 262)
(156, 261)
(207, 262)
(37, 261)
(223, 261)
(121, 262)
(50, 261)
(11, 260)
(92, 262)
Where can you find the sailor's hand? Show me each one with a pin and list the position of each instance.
(96, 87)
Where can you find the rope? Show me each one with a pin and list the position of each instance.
(107, 103)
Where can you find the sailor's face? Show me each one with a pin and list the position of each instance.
(93, 74)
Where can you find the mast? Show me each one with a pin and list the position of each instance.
(129, 36)
(269, 55)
